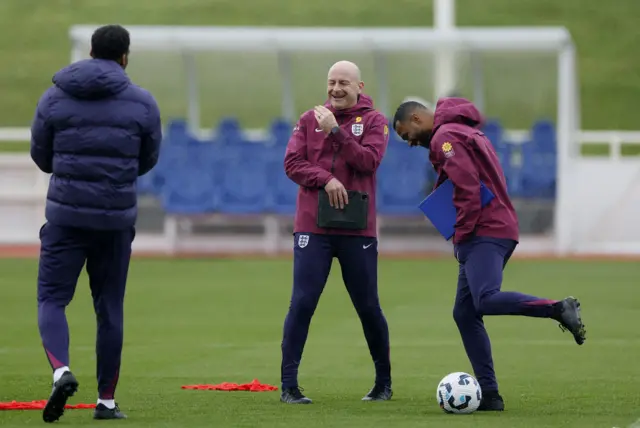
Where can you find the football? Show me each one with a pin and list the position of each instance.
(459, 392)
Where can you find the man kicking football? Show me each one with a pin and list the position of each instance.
(95, 132)
(485, 238)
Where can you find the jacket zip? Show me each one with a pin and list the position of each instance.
(335, 151)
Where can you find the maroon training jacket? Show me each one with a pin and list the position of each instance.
(355, 154)
(461, 152)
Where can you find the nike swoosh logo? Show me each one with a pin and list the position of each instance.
(318, 130)
(364, 247)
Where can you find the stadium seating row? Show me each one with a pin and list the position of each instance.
(232, 175)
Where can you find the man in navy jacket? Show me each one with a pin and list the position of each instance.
(96, 133)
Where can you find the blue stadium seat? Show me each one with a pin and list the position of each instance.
(543, 133)
(280, 132)
(512, 172)
(402, 180)
(431, 176)
(177, 132)
(229, 131)
(172, 146)
(538, 173)
(494, 131)
(189, 181)
(153, 181)
(539, 162)
(242, 173)
(283, 191)
(146, 184)
(394, 138)
(176, 125)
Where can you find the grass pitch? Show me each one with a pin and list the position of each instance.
(210, 321)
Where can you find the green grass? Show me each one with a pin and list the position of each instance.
(519, 88)
(212, 321)
(14, 147)
(626, 150)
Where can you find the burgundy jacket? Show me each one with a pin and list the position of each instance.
(461, 152)
(352, 156)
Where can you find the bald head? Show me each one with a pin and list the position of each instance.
(348, 68)
(344, 84)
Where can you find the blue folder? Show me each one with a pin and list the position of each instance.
(439, 208)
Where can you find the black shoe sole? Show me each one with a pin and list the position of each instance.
(109, 416)
(579, 332)
(296, 402)
(378, 398)
(495, 406)
(490, 410)
(54, 408)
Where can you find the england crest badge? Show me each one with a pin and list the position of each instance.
(303, 240)
(357, 129)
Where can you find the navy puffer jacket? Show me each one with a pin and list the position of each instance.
(96, 132)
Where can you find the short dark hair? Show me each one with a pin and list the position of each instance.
(405, 110)
(110, 42)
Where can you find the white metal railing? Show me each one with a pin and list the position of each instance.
(14, 134)
(615, 139)
(23, 188)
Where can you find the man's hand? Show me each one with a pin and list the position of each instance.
(326, 119)
(338, 197)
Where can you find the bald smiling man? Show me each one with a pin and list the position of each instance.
(336, 148)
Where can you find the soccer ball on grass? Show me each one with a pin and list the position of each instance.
(459, 393)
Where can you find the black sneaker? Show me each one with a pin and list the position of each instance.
(294, 396)
(491, 402)
(379, 393)
(568, 314)
(64, 388)
(103, 412)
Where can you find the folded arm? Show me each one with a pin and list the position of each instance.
(296, 165)
(365, 157)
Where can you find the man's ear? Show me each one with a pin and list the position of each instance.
(415, 118)
(124, 61)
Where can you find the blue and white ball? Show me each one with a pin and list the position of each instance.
(459, 392)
